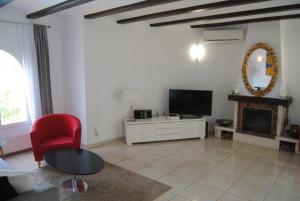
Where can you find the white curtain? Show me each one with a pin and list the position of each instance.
(29, 63)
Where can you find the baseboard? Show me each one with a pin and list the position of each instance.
(98, 144)
(17, 152)
(84, 146)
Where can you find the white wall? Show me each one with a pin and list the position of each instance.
(290, 42)
(73, 70)
(154, 60)
(129, 57)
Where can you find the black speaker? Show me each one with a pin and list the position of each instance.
(142, 114)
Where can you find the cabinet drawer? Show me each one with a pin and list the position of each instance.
(141, 133)
(168, 131)
(169, 136)
(167, 125)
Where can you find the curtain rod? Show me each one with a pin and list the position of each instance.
(48, 26)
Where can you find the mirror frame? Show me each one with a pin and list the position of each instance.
(272, 83)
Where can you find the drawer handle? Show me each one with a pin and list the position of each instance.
(167, 134)
(167, 128)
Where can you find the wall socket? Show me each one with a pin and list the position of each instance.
(96, 131)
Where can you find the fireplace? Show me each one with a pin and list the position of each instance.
(259, 116)
(257, 121)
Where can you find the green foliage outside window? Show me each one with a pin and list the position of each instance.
(10, 113)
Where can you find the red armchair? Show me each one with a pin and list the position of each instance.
(54, 131)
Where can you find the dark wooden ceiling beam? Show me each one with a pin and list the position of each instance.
(209, 6)
(247, 21)
(130, 7)
(268, 10)
(57, 8)
(4, 2)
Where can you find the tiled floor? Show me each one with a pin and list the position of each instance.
(206, 170)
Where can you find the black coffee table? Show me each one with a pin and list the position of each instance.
(75, 162)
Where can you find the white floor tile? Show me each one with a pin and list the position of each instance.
(259, 178)
(146, 157)
(197, 192)
(291, 172)
(189, 172)
(253, 149)
(217, 181)
(273, 154)
(287, 186)
(280, 196)
(180, 156)
(179, 198)
(165, 164)
(228, 170)
(215, 155)
(268, 166)
(177, 183)
(230, 197)
(249, 191)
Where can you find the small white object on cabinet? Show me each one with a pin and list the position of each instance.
(162, 128)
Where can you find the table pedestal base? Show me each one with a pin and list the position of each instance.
(75, 185)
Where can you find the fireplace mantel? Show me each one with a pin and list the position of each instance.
(285, 102)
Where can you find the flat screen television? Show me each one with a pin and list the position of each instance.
(190, 102)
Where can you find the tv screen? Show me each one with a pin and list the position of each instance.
(190, 102)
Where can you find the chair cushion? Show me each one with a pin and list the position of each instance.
(54, 143)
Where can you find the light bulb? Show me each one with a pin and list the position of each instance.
(197, 52)
(260, 58)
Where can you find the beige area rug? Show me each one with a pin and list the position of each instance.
(111, 184)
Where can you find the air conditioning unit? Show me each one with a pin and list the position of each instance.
(221, 36)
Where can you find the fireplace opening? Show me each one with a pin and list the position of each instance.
(257, 121)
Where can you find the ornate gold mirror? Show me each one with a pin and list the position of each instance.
(260, 69)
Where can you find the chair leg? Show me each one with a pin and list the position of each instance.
(39, 164)
(2, 153)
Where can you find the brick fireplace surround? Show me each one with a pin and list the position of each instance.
(257, 107)
(278, 108)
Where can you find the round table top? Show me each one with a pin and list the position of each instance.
(74, 161)
(3, 142)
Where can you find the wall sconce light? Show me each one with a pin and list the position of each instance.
(197, 52)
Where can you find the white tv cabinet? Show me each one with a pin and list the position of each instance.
(162, 128)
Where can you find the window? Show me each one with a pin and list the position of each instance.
(13, 107)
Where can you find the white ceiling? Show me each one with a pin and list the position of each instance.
(29, 6)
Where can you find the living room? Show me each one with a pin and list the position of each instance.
(97, 61)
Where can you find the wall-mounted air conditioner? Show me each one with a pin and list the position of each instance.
(221, 36)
